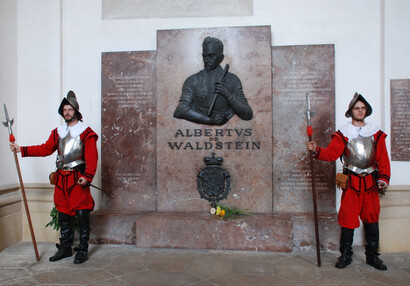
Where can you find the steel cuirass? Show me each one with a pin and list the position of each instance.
(70, 152)
(359, 155)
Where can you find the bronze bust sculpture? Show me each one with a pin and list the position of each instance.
(213, 95)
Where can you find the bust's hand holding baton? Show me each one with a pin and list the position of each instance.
(217, 91)
(15, 148)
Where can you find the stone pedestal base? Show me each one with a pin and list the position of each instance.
(206, 231)
(113, 227)
(259, 232)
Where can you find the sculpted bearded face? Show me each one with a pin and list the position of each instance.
(211, 55)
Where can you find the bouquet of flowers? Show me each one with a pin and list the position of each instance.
(225, 212)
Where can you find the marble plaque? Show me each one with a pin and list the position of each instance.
(245, 146)
(400, 119)
(128, 123)
(297, 70)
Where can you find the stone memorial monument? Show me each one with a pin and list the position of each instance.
(164, 111)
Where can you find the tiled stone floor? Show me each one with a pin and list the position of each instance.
(127, 265)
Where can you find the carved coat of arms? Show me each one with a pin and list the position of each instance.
(214, 182)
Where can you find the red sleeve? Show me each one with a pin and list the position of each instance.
(89, 139)
(334, 150)
(382, 157)
(45, 149)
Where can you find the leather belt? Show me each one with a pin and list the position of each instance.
(66, 171)
(364, 174)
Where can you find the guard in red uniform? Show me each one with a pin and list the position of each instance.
(76, 166)
(362, 148)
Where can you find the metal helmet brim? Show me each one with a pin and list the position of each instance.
(70, 99)
(358, 97)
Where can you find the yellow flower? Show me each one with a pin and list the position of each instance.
(225, 212)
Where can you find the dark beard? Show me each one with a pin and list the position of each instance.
(71, 119)
(207, 69)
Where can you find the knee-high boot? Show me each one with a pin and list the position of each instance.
(346, 241)
(371, 231)
(66, 240)
(84, 229)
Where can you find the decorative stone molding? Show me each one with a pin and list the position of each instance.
(395, 220)
(134, 9)
(10, 216)
(12, 213)
(9, 195)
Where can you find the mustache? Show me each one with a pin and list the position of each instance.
(69, 119)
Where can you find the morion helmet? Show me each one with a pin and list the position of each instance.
(358, 97)
(70, 99)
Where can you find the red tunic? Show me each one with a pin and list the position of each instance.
(361, 198)
(68, 195)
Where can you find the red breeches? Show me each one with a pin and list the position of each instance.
(69, 196)
(360, 199)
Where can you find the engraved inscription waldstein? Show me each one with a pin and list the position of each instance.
(400, 119)
(214, 139)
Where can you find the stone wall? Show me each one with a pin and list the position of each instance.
(13, 221)
(395, 220)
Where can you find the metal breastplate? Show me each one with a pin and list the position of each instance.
(359, 155)
(70, 152)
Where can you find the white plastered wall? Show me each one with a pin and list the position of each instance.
(8, 84)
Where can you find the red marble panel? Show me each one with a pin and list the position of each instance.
(400, 119)
(128, 123)
(297, 70)
(304, 236)
(246, 146)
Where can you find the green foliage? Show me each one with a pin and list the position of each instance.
(54, 221)
(231, 212)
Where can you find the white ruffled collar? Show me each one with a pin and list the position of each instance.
(75, 130)
(352, 132)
